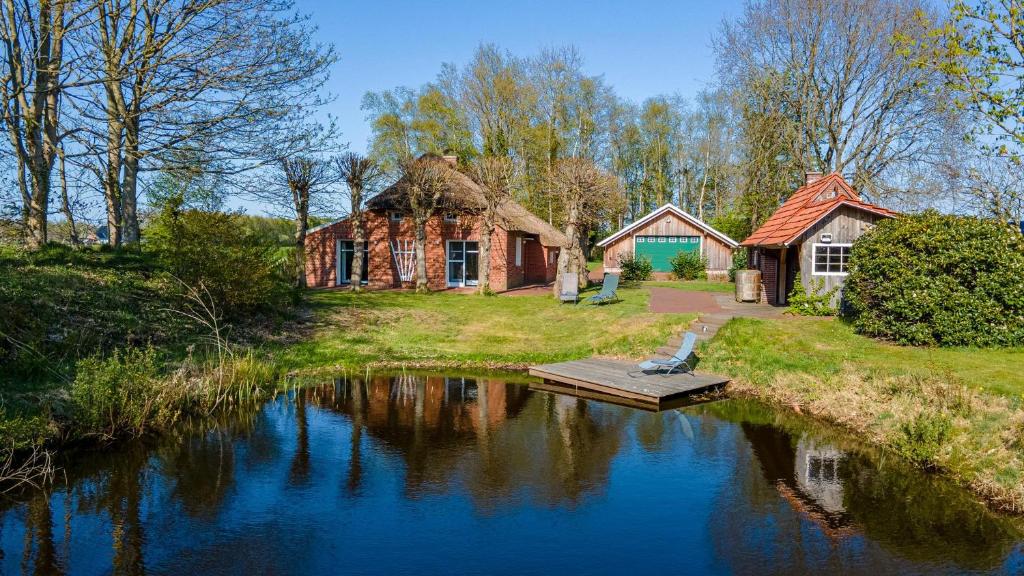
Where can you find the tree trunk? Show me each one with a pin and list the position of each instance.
(130, 183)
(358, 238)
(65, 204)
(38, 206)
(112, 177)
(484, 274)
(301, 198)
(421, 254)
(570, 257)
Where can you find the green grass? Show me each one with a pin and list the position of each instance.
(470, 331)
(693, 285)
(764, 349)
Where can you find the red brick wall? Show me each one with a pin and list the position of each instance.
(320, 252)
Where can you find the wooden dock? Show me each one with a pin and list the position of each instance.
(611, 378)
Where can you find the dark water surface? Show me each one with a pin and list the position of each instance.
(435, 475)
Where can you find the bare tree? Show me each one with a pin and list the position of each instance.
(305, 176)
(587, 194)
(213, 76)
(425, 181)
(495, 175)
(33, 76)
(861, 105)
(360, 175)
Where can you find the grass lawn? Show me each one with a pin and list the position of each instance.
(693, 285)
(447, 329)
(760, 350)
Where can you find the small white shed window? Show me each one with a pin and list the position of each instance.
(519, 251)
(672, 240)
(831, 259)
(661, 239)
(640, 239)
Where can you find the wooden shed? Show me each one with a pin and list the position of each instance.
(662, 234)
(810, 235)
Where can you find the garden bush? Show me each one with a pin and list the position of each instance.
(934, 279)
(634, 269)
(215, 250)
(689, 266)
(739, 262)
(815, 301)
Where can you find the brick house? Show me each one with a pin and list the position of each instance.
(808, 239)
(524, 248)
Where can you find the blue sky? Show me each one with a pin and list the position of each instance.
(642, 48)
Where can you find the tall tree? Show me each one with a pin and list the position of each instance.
(210, 75)
(305, 176)
(360, 175)
(424, 181)
(587, 194)
(33, 76)
(495, 175)
(861, 104)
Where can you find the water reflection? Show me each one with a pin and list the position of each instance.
(493, 477)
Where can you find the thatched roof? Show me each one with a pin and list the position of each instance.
(464, 195)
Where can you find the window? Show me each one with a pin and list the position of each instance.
(451, 217)
(672, 240)
(519, 251)
(640, 239)
(396, 216)
(661, 239)
(831, 259)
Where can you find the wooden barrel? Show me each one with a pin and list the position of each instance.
(748, 285)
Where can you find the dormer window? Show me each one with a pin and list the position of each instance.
(396, 216)
(451, 217)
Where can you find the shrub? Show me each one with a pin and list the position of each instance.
(739, 262)
(119, 395)
(689, 266)
(921, 439)
(816, 301)
(214, 249)
(635, 269)
(934, 279)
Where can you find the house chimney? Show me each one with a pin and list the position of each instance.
(811, 177)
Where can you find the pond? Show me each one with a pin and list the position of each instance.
(415, 474)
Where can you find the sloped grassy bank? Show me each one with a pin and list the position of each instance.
(954, 411)
(99, 344)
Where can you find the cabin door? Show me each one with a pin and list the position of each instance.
(463, 263)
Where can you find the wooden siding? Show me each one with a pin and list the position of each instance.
(718, 253)
(846, 225)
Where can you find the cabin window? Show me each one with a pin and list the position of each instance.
(450, 217)
(396, 216)
(831, 259)
(640, 239)
(672, 240)
(661, 239)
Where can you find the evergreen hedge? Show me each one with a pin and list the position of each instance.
(935, 279)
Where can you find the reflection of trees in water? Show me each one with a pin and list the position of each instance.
(493, 436)
(907, 516)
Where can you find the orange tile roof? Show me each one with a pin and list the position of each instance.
(804, 208)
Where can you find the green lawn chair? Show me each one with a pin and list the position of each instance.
(607, 293)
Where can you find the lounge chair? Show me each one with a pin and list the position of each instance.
(681, 359)
(608, 288)
(570, 291)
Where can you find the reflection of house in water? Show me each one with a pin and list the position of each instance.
(807, 475)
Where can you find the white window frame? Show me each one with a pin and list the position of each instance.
(640, 239)
(814, 257)
(451, 217)
(338, 280)
(673, 240)
(519, 250)
(395, 216)
(662, 240)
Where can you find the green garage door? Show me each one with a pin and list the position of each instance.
(661, 249)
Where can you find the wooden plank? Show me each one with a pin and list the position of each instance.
(611, 377)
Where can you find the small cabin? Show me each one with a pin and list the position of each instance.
(809, 237)
(664, 233)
